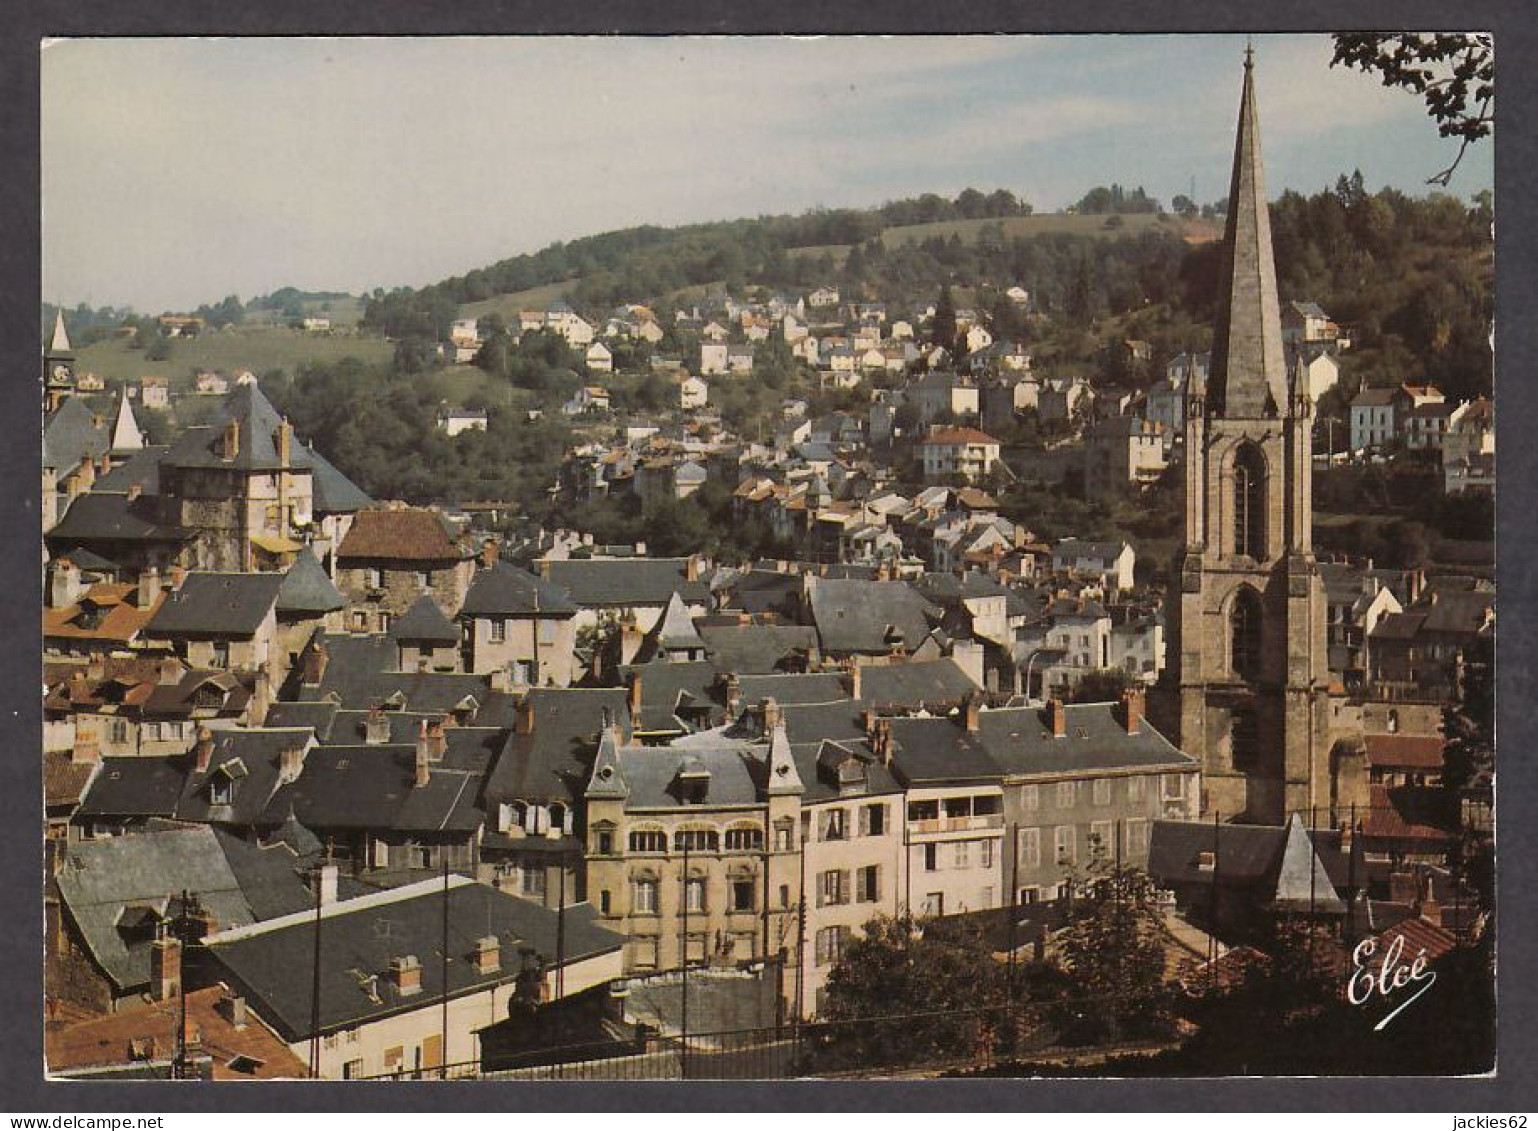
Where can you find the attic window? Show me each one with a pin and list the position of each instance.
(1206, 861)
(221, 791)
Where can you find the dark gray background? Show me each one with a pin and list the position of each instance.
(22, 1089)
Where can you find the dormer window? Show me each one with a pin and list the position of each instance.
(221, 791)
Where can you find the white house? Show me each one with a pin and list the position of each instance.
(457, 420)
(1112, 562)
(692, 393)
(599, 358)
(958, 451)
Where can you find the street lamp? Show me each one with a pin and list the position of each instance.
(1030, 661)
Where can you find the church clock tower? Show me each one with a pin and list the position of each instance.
(58, 366)
(1249, 679)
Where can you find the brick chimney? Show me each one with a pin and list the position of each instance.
(523, 715)
(488, 955)
(233, 1009)
(692, 568)
(406, 975)
(856, 688)
(376, 727)
(1132, 704)
(315, 661)
(772, 716)
(229, 441)
(177, 574)
(1430, 910)
(285, 442)
(290, 764)
(972, 711)
(733, 694)
(1057, 718)
(149, 586)
(634, 700)
(203, 750)
(424, 758)
(165, 967)
(490, 550)
(881, 740)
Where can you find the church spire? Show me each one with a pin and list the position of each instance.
(1248, 375)
(60, 335)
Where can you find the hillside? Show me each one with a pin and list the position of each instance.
(256, 348)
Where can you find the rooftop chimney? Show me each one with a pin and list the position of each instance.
(315, 661)
(66, 587)
(406, 974)
(423, 757)
(1430, 910)
(229, 441)
(290, 764)
(635, 694)
(203, 751)
(881, 740)
(376, 727)
(233, 1007)
(772, 716)
(973, 711)
(165, 967)
(692, 568)
(733, 694)
(490, 549)
(1132, 702)
(523, 715)
(285, 442)
(134, 491)
(149, 586)
(1057, 718)
(488, 955)
(855, 683)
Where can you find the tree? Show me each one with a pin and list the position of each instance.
(1114, 953)
(942, 328)
(932, 986)
(1103, 685)
(1453, 72)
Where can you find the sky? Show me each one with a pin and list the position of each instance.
(178, 171)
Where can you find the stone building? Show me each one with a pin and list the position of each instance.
(1248, 640)
(391, 556)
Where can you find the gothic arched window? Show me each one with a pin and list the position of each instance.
(1250, 502)
(1244, 634)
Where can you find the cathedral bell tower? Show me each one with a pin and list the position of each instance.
(1248, 681)
(58, 366)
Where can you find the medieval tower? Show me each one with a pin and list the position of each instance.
(1248, 682)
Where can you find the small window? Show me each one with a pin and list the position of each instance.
(1063, 843)
(1102, 791)
(1030, 797)
(603, 902)
(963, 854)
(694, 895)
(1065, 795)
(743, 895)
(931, 858)
(221, 791)
(868, 884)
(831, 825)
(873, 820)
(648, 840)
(986, 853)
(497, 630)
(605, 843)
(744, 840)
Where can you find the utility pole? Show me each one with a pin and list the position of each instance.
(443, 1055)
(318, 876)
(179, 1069)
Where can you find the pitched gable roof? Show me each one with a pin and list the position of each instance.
(217, 604)
(307, 589)
(504, 590)
(424, 622)
(399, 533)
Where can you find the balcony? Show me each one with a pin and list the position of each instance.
(938, 825)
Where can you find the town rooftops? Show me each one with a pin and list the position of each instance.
(1377, 397)
(424, 623)
(399, 533)
(72, 433)
(504, 590)
(1404, 751)
(260, 435)
(361, 938)
(100, 517)
(306, 590)
(868, 616)
(217, 604)
(333, 492)
(732, 774)
(600, 582)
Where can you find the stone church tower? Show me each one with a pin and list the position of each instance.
(1248, 681)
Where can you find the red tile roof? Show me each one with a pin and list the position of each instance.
(959, 436)
(399, 533)
(1406, 751)
(1399, 814)
(64, 780)
(1418, 935)
(102, 1042)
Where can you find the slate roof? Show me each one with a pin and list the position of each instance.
(756, 649)
(99, 879)
(424, 623)
(551, 761)
(507, 591)
(100, 517)
(912, 684)
(788, 690)
(609, 582)
(737, 775)
(134, 787)
(818, 786)
(217, 604)
(1246, 855)
(362, 936)
(142, 470)
(70, 434)
(670, 689)
(250, 761)
(399, 534)
(333, 492)
(316, 716)
(1096, 740)
(762, 591)
(676, 628)
(856, 616)
(306, 589)
(258, 423)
